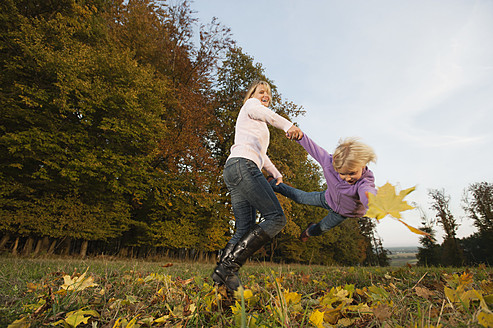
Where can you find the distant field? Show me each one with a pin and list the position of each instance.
(117, 294)
(403, 255)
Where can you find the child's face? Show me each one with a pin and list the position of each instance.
(351, 176)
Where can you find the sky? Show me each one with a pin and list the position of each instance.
(411, 78)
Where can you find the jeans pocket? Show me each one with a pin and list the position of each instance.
(232, 173)
(253, 168)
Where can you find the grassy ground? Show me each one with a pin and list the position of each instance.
(110, 293)
(401, 259)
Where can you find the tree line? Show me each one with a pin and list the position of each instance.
(116, 120)
(476, 249)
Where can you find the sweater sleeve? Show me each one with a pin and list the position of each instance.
(366, 186)
(270, 168)
(315, 151)
(259, 112)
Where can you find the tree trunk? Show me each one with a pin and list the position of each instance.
(39, 245)
(4, 241)
(123, 252)
(83, 248)
(28, 247)
(51, 248)
(14, 248)
(66, 246)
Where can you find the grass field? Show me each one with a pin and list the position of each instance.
(112, 293)
(401, 256)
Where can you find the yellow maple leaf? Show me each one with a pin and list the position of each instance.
(292, 297)
(317, 319)
(387, 202)
(77, 283)
(75, 318)
(20, 323)
(485, 318)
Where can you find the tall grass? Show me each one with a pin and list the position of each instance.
(37, 292)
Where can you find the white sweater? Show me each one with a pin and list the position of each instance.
(252, 134)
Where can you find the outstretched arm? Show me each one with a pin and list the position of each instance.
(259, 112)
(318, 153)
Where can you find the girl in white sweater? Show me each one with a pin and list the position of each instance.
(249, 190)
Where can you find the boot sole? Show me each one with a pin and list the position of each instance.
(217, 279)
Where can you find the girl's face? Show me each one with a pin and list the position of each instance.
(351, 176)
(263, 95)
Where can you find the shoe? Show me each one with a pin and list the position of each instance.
(304, 235)
(223, 253)
(227, 271)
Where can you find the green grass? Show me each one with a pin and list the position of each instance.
(173, 294)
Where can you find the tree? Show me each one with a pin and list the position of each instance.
(429, 254)
(451, 253)
(478, 204)
(79, 126)
(115, 126)
(187, 200)
(376, 254)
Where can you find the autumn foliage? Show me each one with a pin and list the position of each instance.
(116, 120)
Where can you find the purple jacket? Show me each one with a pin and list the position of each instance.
(342, 197)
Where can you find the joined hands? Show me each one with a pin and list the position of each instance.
(294, 133)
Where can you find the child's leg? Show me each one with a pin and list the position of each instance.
(330, 221)
(315, 198)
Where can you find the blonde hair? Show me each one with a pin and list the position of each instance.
(352, 154)
(253, 88)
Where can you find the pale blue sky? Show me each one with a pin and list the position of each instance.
(412, 78)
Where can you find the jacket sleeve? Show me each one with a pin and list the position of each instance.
(366, 186)
(318, 153)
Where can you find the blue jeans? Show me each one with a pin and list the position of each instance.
(250, 192)
(315, 198)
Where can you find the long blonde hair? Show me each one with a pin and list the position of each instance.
(352, 154)
(253, 88)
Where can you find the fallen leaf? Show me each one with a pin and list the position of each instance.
(317, 319)
(485, 319)
(75, 318)
(382, 312)
(423, 292)
(20, 323)
(78, 283)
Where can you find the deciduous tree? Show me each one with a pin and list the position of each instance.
(451, 253)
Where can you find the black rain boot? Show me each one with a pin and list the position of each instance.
(223, 253)
(226, 271)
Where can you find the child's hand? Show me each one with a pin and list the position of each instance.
(294, 133)
(278, 180)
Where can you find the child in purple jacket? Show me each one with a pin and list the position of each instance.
(348, 180)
